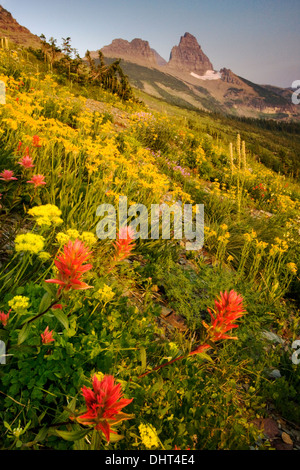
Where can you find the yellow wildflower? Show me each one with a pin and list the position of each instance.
(88, 237)
(47, 214)
(44, 256)
(148, 436)
(62, 238)
(29, 242)
(106, 294)
(250, 236)
(73, 233)
(19, 303)
(292, 267)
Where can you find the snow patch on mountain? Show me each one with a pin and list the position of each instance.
(209, 75)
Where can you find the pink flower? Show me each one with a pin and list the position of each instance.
(37, 180)
(7, 175)
(26, 162)
(47, 336)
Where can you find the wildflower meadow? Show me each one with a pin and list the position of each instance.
(137, 343)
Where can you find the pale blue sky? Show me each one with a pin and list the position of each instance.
(257, 39)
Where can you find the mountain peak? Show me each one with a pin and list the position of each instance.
(138, 51)
(188, 56)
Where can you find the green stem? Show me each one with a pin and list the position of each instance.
(43, 313)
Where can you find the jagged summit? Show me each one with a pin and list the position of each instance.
(189, 56)
(137, 51)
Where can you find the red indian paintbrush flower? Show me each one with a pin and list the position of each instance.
(228, 308)
(4, 317)
(47, 336)
(36, 141)
(104, 404)
(37, 180)
(7, 175)
(124, 244)
(70, 265)
(26, 162)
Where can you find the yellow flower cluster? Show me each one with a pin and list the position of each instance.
(260, 244)
(280, 247)
(292, 267)
(72, 234)
(209, 232)
(106, 294)
(30, 242)
(250, 236)
(19, 303)
(148, 436)
(47, 214)
(44, 256)
(225, 235)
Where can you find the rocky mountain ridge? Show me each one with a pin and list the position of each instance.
(188, 79)
(16, 33)
(187, 56)
(205, 88)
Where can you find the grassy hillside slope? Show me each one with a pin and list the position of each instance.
(199, 369)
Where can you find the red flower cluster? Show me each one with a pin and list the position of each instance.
(4, 317)
(71, 267)
(26, 162)
(47, 336)
(228, 308)
(124, 244)
(37, 180)
(104, 404)
(7, 175)
(36, 141)
(261, 188)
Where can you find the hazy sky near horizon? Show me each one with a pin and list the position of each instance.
(257, 39)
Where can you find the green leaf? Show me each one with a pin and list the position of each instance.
(202, 356)
(45, 302)
(72, 435)
(50, 289)
(62, 318)
(143, 359)
(42, 434)
(7, 425)
(23, 333)
(115, 437)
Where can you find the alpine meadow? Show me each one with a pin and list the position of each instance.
(131, 342)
